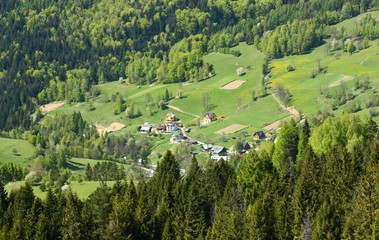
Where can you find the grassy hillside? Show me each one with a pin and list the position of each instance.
(347, 69)
(24, 151)
(221, 101)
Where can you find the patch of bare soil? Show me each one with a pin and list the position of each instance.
(229, 129)
(50, 107)
(113, 127)
(274, 125)
(233, 85)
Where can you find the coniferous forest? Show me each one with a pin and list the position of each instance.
(318, 180)
(290, 191)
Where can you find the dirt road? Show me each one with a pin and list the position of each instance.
(180, 110)
(291, 110)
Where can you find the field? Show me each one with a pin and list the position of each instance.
(347, 69)
(230, 129)
(83, 189)
(16, 151)
(236, 105)
(233, 85)
(78, 165)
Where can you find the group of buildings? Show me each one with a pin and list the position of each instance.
(173, 126)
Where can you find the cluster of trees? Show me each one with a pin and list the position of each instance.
(235, 53)
(367, 27)
(71, 136)
(293, 38)
(284, 93)
(105, 171)
(298, 188)
(12, 172)
(73, 90)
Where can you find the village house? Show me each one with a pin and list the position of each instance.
(171, 126)
(161, 127)
(245, 147)
(192, 141)
(144, 128)
(170, 117)
(206, 147)
(218, 158)
(259, 135)
(218, 150)
(209, 117)
(177, 136)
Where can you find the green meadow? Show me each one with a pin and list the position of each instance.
(220, 101)
(83, 189)
(305, 90)
(16, 151)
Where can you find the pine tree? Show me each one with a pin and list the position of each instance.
(250, 176)
(3, 200)
(71, 228)
(287, 144)
(122, 218)
(361, 222)
(31, 219)
(194, 207)
(306, 195)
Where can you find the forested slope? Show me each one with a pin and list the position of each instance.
(42, 41)
(299, 189)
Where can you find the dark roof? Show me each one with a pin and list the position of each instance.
(209, 114)
(260, 134)
(218, 149)
(207, 146)
(245, 144)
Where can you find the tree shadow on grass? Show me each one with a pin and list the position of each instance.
(73, 166)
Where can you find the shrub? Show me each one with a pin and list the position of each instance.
(33, 178)
(290, 68)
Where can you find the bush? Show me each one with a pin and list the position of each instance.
(291, 68)
(33, 178)
(43, 186)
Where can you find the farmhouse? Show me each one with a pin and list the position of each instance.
(192, 141)
(170, 117)
(171, 126)
(144, 128)
(245, 146)
(209, 117)
(259, 135)
(219, 158)
(218, 149)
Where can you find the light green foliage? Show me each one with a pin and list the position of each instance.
(351, 48)
(286, 145)
(347, 129)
